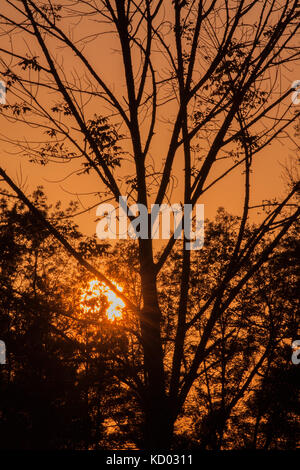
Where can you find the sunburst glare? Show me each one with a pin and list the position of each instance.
(95, 290)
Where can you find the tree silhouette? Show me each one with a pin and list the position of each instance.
(48, 392)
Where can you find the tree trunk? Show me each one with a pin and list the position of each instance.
(158, 426)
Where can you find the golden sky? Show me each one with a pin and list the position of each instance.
(103, 52)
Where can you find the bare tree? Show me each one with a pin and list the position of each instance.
(212, 67)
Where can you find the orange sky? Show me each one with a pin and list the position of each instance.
(266, 177)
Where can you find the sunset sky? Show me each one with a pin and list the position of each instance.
(103, 51)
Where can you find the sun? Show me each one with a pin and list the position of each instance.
(96, 289)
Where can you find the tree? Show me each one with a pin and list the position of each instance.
(236, 383)
(213, 69)
(52, 380)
